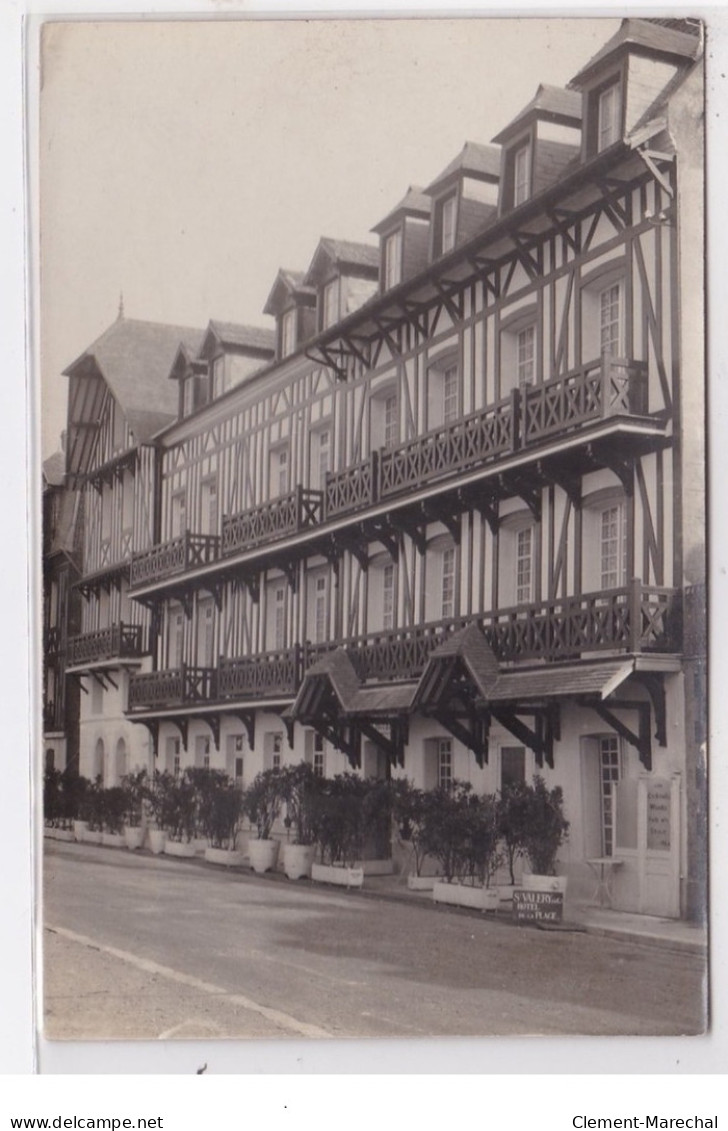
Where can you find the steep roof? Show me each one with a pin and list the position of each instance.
(549, 104)
(343, 253)
(241, 337)
(643, 36)
(134, 358)
(415, 202)
(287, 283)
(481, 162)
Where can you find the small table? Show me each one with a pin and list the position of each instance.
(604, 868)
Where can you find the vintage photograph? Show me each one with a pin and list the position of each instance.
(373, 528)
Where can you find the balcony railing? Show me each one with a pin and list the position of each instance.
(608, 387)
(51, 640)
(634, 618)
(172, 687)
(352, 489)
(118, 641)
(287, 514)
(170, 558)
(264, 674)
(454, 447)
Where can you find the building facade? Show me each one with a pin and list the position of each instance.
(440, 521)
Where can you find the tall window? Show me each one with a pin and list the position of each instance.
(526, 355)
(613, 547)
(177, 640)
(179, 515)
(173, 765)
(609, 112)
(444, 763)
(448, 220)
(450, 395)
(521, 175)
(331, 304)
(524, 566)
(279, 472)
(320, 604)
(188, 395)
(319, 756)
(288, 333)
(448, 582)
(610, 320)
(277, 751)
(609, 776)
(280, 617)
(323, 456)
(393, 259)
(209, 507)
(388, 597)
(206, 647)
(513, 766)
(391, 421)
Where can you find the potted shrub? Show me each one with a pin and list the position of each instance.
(544, 830)
(134, 786)
(343, 812)
(220, 814)
(180, 816)
(113, 808)
(262, 805)
(299, 787)
(463, 829)
(410, 808)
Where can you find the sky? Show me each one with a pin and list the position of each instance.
(183, 162)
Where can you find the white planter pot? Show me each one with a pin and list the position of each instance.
(297, 860)
(337, 874)
(505, 892)
(229, 857)
(92, 836)
(421, 883)
(184, 848)
(113, 840)
(200, 843)
(533, 882)
(133, 836)
(263, 855)
(79, 828)
(465, 895)
(63, 834)
(157, 837)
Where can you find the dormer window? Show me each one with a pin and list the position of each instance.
(288, 333)
(393, 259)
(521, 175)
(330, 308)
(188, 403)
(608, 130)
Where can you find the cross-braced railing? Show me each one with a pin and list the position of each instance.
(263, 674)
(353, 489)
(172, 687)
(454, 447)
(284, 515)
(173, 557)
(115, 641)
(607, 387)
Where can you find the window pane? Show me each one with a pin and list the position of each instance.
(608, 117)
(288, 333)
(610, 315)
(450, 398)
(524, 571)
(448, 583)
(391, 422)
(448, 216)
(444, 763)
(526, 355)
(513, 766)
(393, 259)
(613, 547)
(521, 175)
(609, 775)
(388, 597)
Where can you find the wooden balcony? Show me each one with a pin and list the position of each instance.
(172, 687)
(445, 451)
(262, 675)
(51, 640)
(607, 387)
(287, 514)
(353, 489)
(175, 557)
(634, 618)
(117, 641)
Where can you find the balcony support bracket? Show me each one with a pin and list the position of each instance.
(639, 739)
(288, 723)
(655, 685)
(247, 718)
(473, 733)
(290, 569)
(213, 721)
(152, 726)
(539, 738)
(393, 744)
(183, 726)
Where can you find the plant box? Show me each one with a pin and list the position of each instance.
(92, 836)
(134, 836)
(157, 838)
(421, 883)
(263, 855)
(113, 840)
(63, 834)
(229, 857)
(183, 848)
(337, 874)
(297, 860)
(465, 895)
(79, 828)
(534, 882)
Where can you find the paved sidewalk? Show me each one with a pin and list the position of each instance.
(666, 934)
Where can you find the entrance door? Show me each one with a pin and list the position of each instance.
(375, 764)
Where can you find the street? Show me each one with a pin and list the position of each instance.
(148, 947)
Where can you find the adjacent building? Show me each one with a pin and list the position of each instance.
(440, 521)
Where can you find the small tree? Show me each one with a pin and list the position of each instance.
(52, 796)
(410, 807)
(478, 853)
(263, 801)
(444, 832)
(342, 818)
(91, 804)
(546, 827)
(113, 808)
(299, 789)
(513, 818)
(134, 786)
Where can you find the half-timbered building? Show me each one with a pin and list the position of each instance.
(440, 522)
